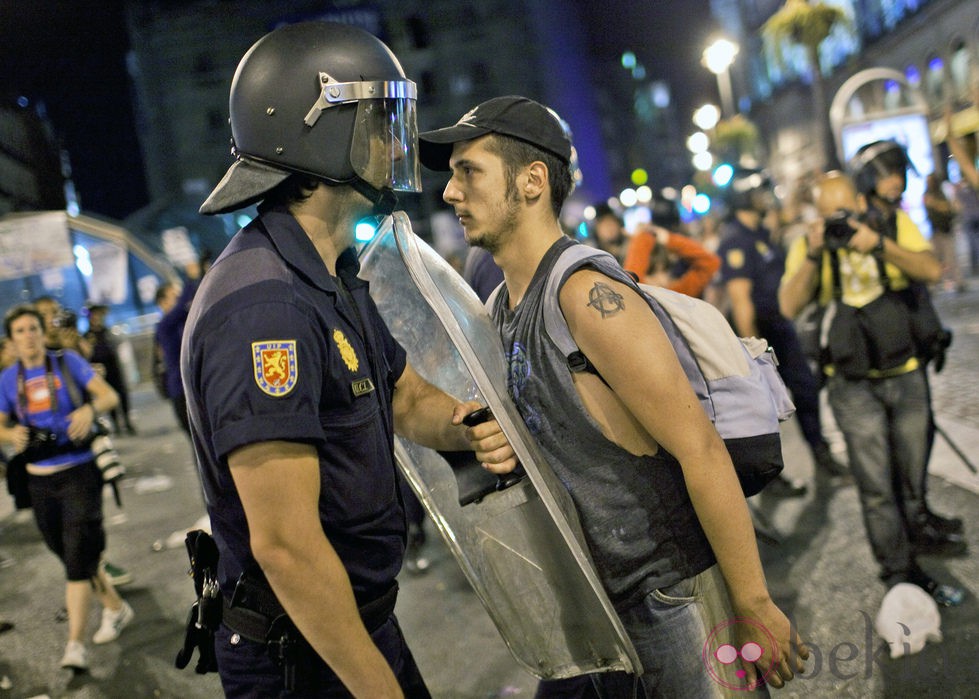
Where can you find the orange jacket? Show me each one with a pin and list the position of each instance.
(703, 263)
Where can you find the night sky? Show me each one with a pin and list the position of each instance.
(70, 56)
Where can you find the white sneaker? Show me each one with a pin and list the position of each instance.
(113, 622)
(75, 657)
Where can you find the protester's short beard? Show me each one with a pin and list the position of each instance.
(508, 210)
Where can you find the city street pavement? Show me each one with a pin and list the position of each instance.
(821, 572)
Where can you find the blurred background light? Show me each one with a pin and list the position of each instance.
(723, 174)
(364, 231)
(703, 161)
(698, 142)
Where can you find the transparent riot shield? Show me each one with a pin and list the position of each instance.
(520, 545)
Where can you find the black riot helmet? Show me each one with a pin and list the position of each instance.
(876, 160)
(750, 189)
(322, 99)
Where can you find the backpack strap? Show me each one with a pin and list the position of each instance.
(74, 394)
(77, 399)
(573, 258)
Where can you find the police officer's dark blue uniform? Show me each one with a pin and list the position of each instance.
(283, 307)
(290, 378)
(751, 254)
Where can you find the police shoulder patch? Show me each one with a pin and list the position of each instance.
(276, 366)
(735, 258)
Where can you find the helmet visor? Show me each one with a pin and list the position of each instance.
(384, 147)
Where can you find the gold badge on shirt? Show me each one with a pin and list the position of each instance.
(347, 352)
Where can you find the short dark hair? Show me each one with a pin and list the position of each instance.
(294, 189)
(517, 154)
(161, 291)
(19, 312)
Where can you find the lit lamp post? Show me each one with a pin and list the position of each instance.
(717, 58)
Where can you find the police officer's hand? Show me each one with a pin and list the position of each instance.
(486, 438)
(80, 422)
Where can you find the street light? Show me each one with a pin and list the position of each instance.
(717, 58)
(707, 116)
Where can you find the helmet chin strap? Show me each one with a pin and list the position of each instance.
(384, 200)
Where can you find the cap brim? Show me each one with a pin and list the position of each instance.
(435, 147)
(245, 182)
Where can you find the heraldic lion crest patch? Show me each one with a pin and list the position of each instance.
(276, 368)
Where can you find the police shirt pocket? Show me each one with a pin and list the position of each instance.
(356, 466)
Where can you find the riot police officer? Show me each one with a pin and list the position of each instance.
(294, 383)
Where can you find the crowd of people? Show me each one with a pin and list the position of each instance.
(291, 386)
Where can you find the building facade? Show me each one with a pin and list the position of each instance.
(933, 43)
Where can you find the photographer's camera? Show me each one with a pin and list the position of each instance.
(838, 231)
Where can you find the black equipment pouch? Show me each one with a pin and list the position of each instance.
(205, 614)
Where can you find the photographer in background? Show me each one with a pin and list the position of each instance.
(55, 436)
(876, 383)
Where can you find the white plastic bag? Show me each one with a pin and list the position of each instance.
(907, 619)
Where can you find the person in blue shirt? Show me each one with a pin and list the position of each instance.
(40, 420)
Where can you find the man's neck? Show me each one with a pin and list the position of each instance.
(34, 361)
(328, 217)
(521, 255)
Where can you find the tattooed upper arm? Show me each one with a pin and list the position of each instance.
(605, 300)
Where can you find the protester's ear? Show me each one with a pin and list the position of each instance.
(536, 179)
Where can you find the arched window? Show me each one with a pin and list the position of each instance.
(913, 75)
(935, 80)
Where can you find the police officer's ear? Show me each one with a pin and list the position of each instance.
(534, 179)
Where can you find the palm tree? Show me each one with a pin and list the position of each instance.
(808, 24)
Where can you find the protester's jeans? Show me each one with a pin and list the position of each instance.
(676, 632)
(885, 424)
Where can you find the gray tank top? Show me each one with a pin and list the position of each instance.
(640, 526)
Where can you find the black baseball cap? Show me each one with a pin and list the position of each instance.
(514, 116)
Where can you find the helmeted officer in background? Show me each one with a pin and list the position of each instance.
(752, 264)
(294, 383)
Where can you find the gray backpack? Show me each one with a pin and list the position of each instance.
(736, 379)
